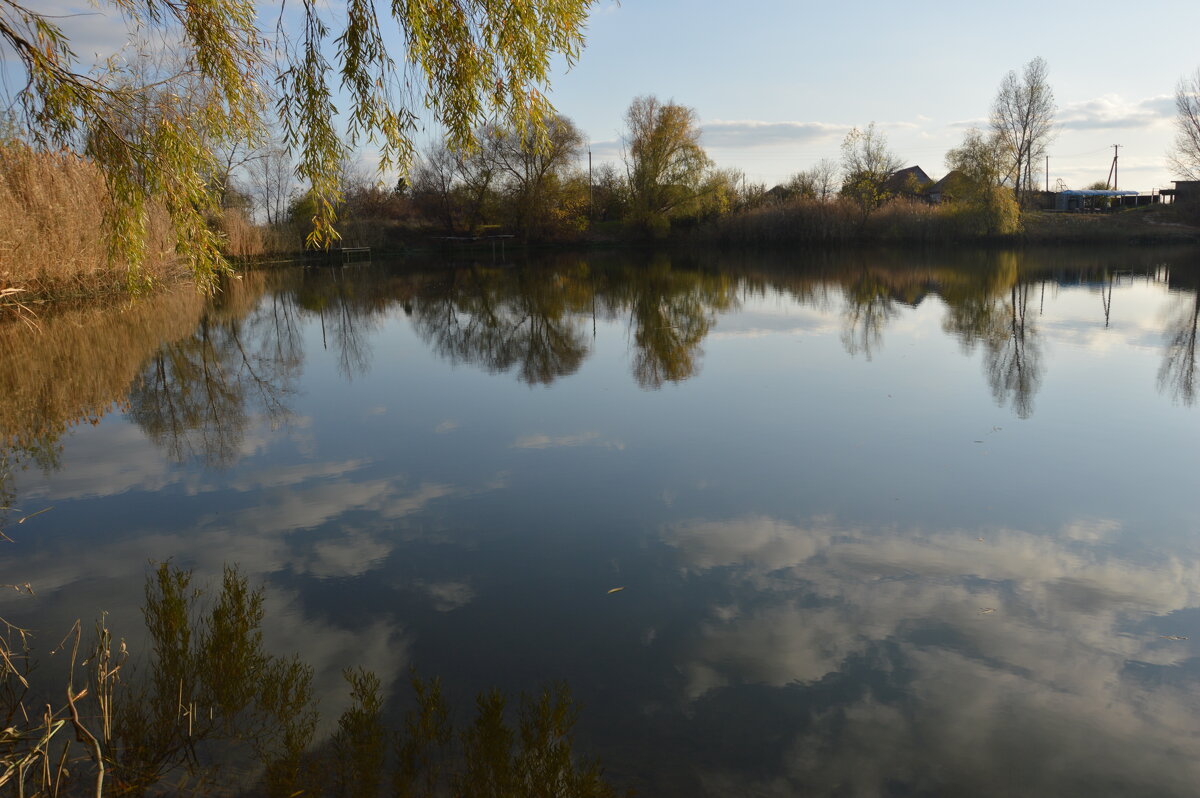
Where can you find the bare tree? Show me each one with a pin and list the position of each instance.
(866, 163)
(1023, 121)
(818, 182)
(272, 181)
(824, 176)
(476, 171)
(433, 177)
(1184, 159)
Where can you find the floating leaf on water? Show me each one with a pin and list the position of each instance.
(616, 589)
(986, 610)
(979, 539)
(1173, 637)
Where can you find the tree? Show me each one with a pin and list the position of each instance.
(1023, 122)
(271, 182)
(433, 177)
(819, 182)
(475, 176)
(465, 61)
(866, 163)
(535, 170)
(610, 194)
(824, 178)
(664, 161)
(978, 169)
(1184, 159)
(801, 185)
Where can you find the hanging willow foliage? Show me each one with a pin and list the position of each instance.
(156, 138)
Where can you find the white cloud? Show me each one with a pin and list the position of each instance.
(1113, 112)
(758, 133)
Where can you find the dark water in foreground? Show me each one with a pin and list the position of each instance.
(882, 525)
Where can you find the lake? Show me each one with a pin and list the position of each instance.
(815, 524)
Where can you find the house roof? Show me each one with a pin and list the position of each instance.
(942, 185)
(899, 181)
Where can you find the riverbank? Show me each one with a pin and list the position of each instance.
(1153, 224)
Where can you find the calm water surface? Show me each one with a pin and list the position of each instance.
(883, 525)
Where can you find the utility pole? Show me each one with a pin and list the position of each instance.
(1112, 172)
(591, 201)
(1047, 174)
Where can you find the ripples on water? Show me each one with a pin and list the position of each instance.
(882, 525)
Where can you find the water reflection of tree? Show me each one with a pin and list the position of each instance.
(195, 396)
(1013, 362)
(211, 711)
(505, 319)
(1177, 375)
(989, 307)
(869, 307)
(671, 311)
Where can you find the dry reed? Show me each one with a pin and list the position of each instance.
(244, 240)
(812, 222)
(53, 240)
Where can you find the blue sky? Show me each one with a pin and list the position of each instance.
(778, 84)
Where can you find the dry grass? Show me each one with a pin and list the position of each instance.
(53, 240)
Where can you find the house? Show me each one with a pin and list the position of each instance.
(1187, 191)
(909, 182)
(945, 188)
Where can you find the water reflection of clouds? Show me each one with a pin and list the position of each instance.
(447, 595)
(540, 440)
(1095, 337)
(94, 470)
(114, 458)
(804, 605)
(286, 510)
(268, 537)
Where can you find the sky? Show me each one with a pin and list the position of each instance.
(778, 84)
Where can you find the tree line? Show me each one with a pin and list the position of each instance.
(534, 185)
(238, 118)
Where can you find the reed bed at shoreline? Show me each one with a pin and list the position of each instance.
(839, 221)
(54, 242)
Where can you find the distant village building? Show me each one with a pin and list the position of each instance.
(909, 182)
(944, 189)
(1084, 198)
(1186, 191)
(778, 194)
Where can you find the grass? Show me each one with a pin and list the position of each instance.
(1164, 224)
